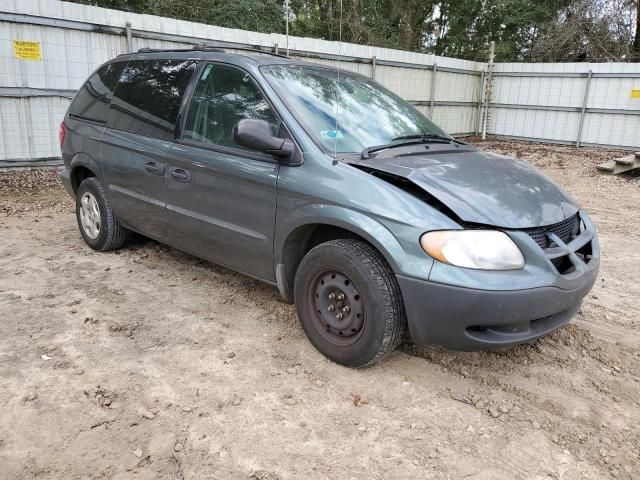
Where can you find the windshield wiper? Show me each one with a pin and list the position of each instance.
(405, 140)
(425, 136)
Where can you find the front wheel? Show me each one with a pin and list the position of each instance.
(349, 302)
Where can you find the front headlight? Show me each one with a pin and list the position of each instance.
(479, 249)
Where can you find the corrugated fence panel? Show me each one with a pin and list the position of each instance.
(534, 124)
(410, 83)
(457, 87)
(616, 128)
(68, 56)
(545, 101)
(613, 93)
(611, 129)
(559, 92)
(456, 98)
(27, 126)
(462, 118)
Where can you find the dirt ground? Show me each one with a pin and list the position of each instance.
(147, 363)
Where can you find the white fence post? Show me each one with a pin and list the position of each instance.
(583, 111)
(129, 37)
(432, 94)
(286, 7)
(479, 104)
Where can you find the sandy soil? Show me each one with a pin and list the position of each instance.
(148, 363)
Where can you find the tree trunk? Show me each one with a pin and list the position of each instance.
(635, 48)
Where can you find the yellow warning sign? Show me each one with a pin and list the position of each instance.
(635, 93)
(24, 50)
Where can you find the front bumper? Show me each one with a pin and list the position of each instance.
(465, 309)
(470, 319)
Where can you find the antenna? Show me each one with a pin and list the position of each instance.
(335, 140)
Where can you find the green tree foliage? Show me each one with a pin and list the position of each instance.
(464, 28)
(524, 30)
(393, 24)
(264, 16)
(589, 30)
(256, 15)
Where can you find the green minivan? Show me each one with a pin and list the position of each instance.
(378, 225)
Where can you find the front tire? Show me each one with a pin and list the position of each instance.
(98, 224)
(349, 302)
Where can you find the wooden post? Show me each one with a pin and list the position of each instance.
(487, 96)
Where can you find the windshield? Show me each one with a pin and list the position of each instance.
(368, 114)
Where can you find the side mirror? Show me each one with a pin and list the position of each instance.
(256, 134)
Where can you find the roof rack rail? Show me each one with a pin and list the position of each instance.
(156, 50)
(212, 48)
(254, 49)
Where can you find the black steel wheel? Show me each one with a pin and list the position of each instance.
(339, 307)
(349, 302)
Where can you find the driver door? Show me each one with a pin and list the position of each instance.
(221, 197)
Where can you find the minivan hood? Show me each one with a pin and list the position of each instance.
(481, 187)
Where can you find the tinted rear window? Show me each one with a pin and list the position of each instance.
(147, 99)
(92, 100)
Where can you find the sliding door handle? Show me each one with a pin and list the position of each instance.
(180, 175)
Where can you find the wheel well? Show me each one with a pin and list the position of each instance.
(78, 175)
(303, 239)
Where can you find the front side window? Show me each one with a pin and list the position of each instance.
(223, 96)
(147, 98)
(364, 112)
(92, 100)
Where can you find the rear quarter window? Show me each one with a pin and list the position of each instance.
(147, 98)
(91, 103)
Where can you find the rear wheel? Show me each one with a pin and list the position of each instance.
(98, 224)
(349, 302)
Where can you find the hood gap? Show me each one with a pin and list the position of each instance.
(411, 188)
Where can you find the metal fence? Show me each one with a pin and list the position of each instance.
(575, 103)
(533, 101)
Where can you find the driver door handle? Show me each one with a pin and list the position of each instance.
(154, 167)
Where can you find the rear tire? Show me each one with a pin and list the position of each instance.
(349, 302)
(97, 222)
